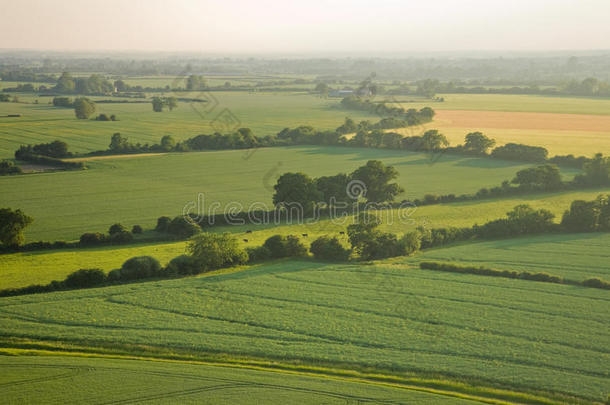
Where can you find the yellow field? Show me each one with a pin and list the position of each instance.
(561, 134)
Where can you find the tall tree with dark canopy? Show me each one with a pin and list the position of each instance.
(296, 189)
(377, 177)
(12, 224)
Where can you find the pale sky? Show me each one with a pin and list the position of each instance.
(284, 26)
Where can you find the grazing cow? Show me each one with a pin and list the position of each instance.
(248, 231)
(304, 235)
(245, 240)
(341, 233)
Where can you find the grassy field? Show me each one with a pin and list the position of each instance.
(264, 113)
(512, 333)
(573, 256)
(23, 269)
(100, 380)
(138, 190)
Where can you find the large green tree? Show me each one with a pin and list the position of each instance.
(83, 108)
(296, 191)
(376, 177)
(478, 143)
(12, 224)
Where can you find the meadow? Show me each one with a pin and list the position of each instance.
(386, 317)
(103, 380)
(140, 189)
(26, 268)
(264, 113)
(572, 256)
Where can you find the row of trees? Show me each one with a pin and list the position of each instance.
(372, 182)
(411, 116)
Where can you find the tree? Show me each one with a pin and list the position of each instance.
(171, 102)
(167, 143)
(118, 143)
(195, 82)
(85, 278)
(348, 127)
(321, 88)
(157, 104)
(284, 246)
(433, 140)
(163, 224)
(544, 177)
(296, 190)
(12, 224)
(83, 108)
(139, 267)
(478, 143)
(65, 83)
(333, 188)
(214, 250)
(376, 177)
(9, 167)
(327, 248)
(182, 227)
(583, 216)
(597, 171)
(116, 228)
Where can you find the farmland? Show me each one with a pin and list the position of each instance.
(26, 268)
(573, 256)
(301, 311)
(105, 380)
(139, 190)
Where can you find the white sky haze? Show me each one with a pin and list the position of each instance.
(267, 26)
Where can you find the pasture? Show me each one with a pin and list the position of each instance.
(26, 268)
(388, 317)
(572, 256)
(102, 380)
(264, 113)
(139, 190)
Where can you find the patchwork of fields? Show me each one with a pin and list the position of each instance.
(139, 190)
(526, 335)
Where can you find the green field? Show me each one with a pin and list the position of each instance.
(138, 190)
(572, 256)
(23, 269)
(101, 380)
(516, 103)
(264, 113)
(391, 317)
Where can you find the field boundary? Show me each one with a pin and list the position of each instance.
(439, 386)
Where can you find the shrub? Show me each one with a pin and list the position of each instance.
(181, 228)
(9, 167)
(137, 229)
(139, 267)
(163, 224)
(181, 265)
(285, 246)
(597, 283)
(116, 228)
(92, 238)
(102, 117)
(121, 237)
(410, 242)
(258, 254)
(327, 248)
(212, 251)
(85, 278)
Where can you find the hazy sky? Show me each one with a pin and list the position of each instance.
(264, 26)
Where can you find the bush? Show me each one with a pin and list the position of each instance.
(121, 237)
(137, 229)
(327, 248)
(9, 167)
(258, 254)
(163, 224)
(285, 246)
(139, 267)
(181, 228)
(597, 283)
(102, 117)
(117, 228)
(85, 278)
(212, 251)
(182, 265)
(410, 242)
(92, 238)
